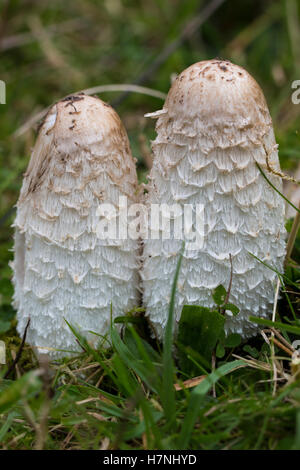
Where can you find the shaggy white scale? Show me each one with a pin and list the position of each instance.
(213, 128)
(62, 269)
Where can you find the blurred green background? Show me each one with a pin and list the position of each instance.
(53, 48)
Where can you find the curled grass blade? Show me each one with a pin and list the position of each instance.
(280, 275)
(277, 190)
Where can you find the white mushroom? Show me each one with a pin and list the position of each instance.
(62, 268)
(214, 127)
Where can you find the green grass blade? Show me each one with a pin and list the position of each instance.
(114, 411)
(168, 391)
(280, 275)
(93, 352)
(4, 429)
(277, 190)
(126, 378)
(276, 324)
(142, 426)
(296, 445)
(141, 349)
(197, 396)
(137, 365)
(24, 387)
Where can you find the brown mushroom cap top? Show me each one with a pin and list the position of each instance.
(217, 89)
(79, 123)
(215, 103)
(86, 118)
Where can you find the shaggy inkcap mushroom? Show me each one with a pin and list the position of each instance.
(62, 268)
(214, 127)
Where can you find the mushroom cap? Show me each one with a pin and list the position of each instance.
(84, 117)
(215, 97)
(217, 89)
(79, 123)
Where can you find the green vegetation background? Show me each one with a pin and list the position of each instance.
(50, 49)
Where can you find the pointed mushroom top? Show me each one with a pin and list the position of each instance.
(87, 118)
(78, 122)
(214, 97)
